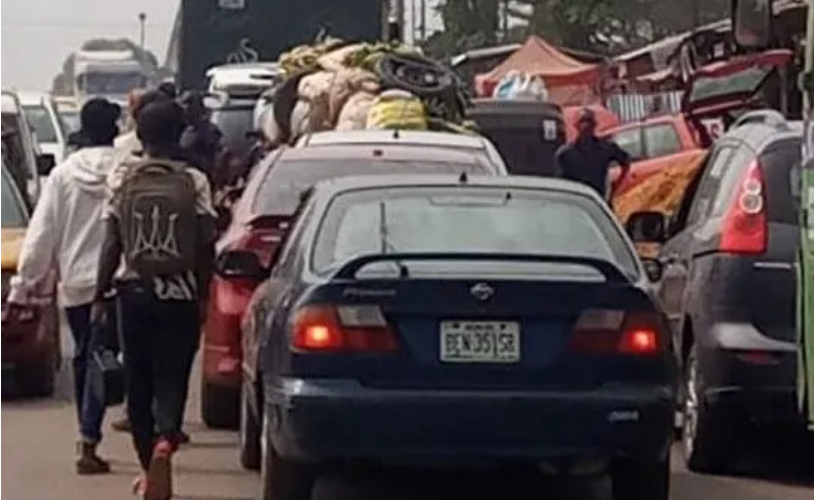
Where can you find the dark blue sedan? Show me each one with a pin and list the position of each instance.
(459, 321)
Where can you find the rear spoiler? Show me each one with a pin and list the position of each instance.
(610, 271)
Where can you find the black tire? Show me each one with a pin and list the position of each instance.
(633, 479)
(250, 453)
(707, 437)
(37, 381)
(283, 479)
(220, 406)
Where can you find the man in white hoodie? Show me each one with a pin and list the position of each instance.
(65, 235)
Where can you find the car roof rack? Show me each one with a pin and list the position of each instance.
(768, 117)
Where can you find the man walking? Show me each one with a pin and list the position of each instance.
(201, 141)
(159, 246)
(65, 237)
(589, 158)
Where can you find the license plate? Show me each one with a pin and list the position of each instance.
(480, 342)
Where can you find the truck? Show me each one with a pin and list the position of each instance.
(107, 73)
(209, 33)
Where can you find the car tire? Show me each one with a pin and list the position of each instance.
(250, 453)
(707, 437)
(635, 479)
(282, 479)
(220, 406)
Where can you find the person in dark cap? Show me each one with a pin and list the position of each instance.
(160, 312)
(588, 158)
(64, 239)
(169, 89)
(201, 141)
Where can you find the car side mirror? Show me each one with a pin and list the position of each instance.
(240, 264)
(45, 163)
(647, 227)
(654, 269)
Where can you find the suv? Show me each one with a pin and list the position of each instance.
(729, 286)
(25, 162)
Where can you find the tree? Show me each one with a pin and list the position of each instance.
(468, 24)
(62, 82)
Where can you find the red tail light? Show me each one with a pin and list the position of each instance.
(262, 242)
(326, 328)
(599, 331)
(745, 225)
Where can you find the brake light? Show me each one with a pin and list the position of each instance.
(327, 328)
(745, 224)
(600, 331)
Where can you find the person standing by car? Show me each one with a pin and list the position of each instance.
(589, 158)
(160, 219)
(65, 235)
(201, 141)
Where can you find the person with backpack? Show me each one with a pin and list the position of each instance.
(158, 257)
(64, 237)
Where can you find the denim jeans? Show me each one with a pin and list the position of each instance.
(89, 409)
(159, 342)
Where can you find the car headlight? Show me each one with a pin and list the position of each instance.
(6, 284)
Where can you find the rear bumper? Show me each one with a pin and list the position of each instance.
(319, 421)
(763, 405)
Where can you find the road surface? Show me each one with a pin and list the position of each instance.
(38, 445)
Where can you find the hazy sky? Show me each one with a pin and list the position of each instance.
(37, 35)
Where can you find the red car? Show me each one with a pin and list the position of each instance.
(714, 95)
(30, 335)
(259, 222)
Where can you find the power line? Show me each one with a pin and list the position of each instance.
(57, 24)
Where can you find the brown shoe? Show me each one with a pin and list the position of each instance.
(121, 425)
(88, 462)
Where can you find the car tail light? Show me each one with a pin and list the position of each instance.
(600, 331)
(745, 225)
(327, 328)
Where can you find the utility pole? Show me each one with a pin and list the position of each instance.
(423, 20)
(142, 20)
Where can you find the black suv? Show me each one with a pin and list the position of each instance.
(729, 286)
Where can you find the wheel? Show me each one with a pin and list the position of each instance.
(282, 479)
(707, 437)
(220, 406)
(633, 479)
(37, 380)
(250, 453)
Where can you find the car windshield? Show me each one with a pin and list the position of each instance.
(743, 82)
(111, 83)
(235, 122)
(70, 119)
(485, 220)
(40, 120)
(280, 192)
(12, 211)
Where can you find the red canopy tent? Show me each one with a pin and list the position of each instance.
(537, 57)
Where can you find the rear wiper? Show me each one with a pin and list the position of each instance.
(387, 245)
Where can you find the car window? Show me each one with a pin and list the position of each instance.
(661, 140)
(280, 190)
(709, 183)
(234, 122)
(481, 220)
(39, 119)
(12, 211)
(631, 141)
(781, 165)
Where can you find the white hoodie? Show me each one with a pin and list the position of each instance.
(66, 230)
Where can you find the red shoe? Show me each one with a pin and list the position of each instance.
(159, 475)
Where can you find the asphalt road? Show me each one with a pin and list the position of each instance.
(38, 446)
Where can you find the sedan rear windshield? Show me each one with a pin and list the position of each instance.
(280, 192)
(470, 220)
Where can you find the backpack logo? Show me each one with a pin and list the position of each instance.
(154, 245)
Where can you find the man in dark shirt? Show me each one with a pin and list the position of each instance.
(589, 158)
(201, 141)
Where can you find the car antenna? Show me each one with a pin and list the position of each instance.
(463, 178)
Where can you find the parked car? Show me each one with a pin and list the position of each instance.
(241, 77)
(30, 340)
(21, 154)
(715, 94)
(40, 110)
(68, 110)
(451, 318)
(384, 139)
(729, 288)
(259, 220)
